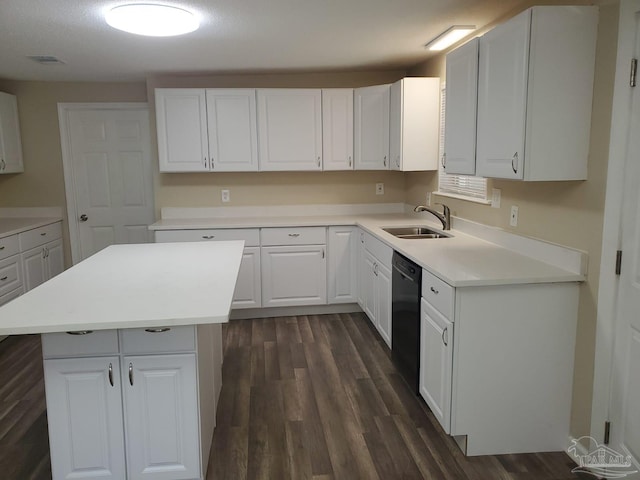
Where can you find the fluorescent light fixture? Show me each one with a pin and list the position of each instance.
(449, 37)
(152, 20)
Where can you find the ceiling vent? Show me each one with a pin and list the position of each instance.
(46, 59)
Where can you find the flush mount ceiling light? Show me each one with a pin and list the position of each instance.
(449, 37)
(152, 20)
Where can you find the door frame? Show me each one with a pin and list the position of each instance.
(65, 142)
(612, 228)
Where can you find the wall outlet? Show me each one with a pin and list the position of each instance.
(496, 195)
(226, 196)
(379, 188)
(428, 199)
(513, 219)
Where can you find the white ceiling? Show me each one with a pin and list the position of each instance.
(234, 36)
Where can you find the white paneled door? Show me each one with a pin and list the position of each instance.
(625, 395)
(108, 176)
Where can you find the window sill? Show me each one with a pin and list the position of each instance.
(481, 201)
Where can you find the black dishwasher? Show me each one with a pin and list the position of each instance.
(405, 318)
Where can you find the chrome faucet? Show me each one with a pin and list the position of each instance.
(444, 217)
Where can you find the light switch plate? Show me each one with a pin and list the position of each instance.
(226, 196)
(428, 204)
(379, 188)
(513, 219)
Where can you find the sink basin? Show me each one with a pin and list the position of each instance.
(415, 232)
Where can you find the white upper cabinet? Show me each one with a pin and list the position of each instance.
(337, 128)
(414, 124)
(181, 120)
(460, 110)
(290, 129)
(231, 121)
(371, 127)
(10, 142)
(535, 87)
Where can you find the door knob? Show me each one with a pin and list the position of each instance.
(83, 218)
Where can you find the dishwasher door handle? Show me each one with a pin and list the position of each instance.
(404, 275)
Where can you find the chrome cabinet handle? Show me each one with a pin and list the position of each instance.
(323, 253)
(2, 247)
(318, 162)
(434, 290)
(3, 165)
(131, 374)
(205, 162)
(157, 330)
(111, 374)
(375, 269)
(80, 332)
(43, 234)
(445, 332)
(213, 165)
(514, 160)
(294, 234)
(349, 160)
(398, 161)
(208, 237)
(83, 218)
(444, 160)
(384, 161)
(5, 277)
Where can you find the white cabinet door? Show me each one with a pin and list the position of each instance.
(181, 121)
(10, 141)
(248, 293)
(294, 275)
(84, 411)
(414, 124)
(343, 264)
(383, 301)
(369, 285)
(54, 258)
(502, 98)
(161, 417)
(337, 128)
(290, 129)
(35, 268)
(461, 106)
(371, 127)
(231, 120)
(436, 358)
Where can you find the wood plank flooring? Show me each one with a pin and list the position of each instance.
(317, 397)
(308, 397)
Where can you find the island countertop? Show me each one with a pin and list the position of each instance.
(132, 286)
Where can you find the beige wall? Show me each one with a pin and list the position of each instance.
(273, 188)
(569, 213)
(42, 183)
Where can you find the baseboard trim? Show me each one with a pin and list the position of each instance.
(246, 313)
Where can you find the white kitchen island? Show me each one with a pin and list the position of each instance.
(132, 350)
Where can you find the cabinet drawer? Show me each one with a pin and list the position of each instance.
(158, 339)
(378, 249)
(79, 343)
(9, 246)
(251, 236)
(438, 293)
(294, 236)
(39, 236)
(11, 295)
(10, 274)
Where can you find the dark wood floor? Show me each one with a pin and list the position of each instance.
(317, 397)
(312, 397)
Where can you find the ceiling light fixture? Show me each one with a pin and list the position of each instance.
(152, 20)
(449, 37)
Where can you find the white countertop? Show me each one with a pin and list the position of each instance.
(461, 261)
(11, 226)
(129, 286)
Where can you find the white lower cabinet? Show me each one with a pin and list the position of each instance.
(42, 263)
(294, 275)
(343, 264)
(84, 411)
(248, 293)
(436, 347)
(161, 417)
(375, 278)
(141, 407)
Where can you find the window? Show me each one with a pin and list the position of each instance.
(464, 187)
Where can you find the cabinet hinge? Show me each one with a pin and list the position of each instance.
(618, 262)
(634, 70)
(607, 431)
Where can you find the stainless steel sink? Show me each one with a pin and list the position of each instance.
(415, 232)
